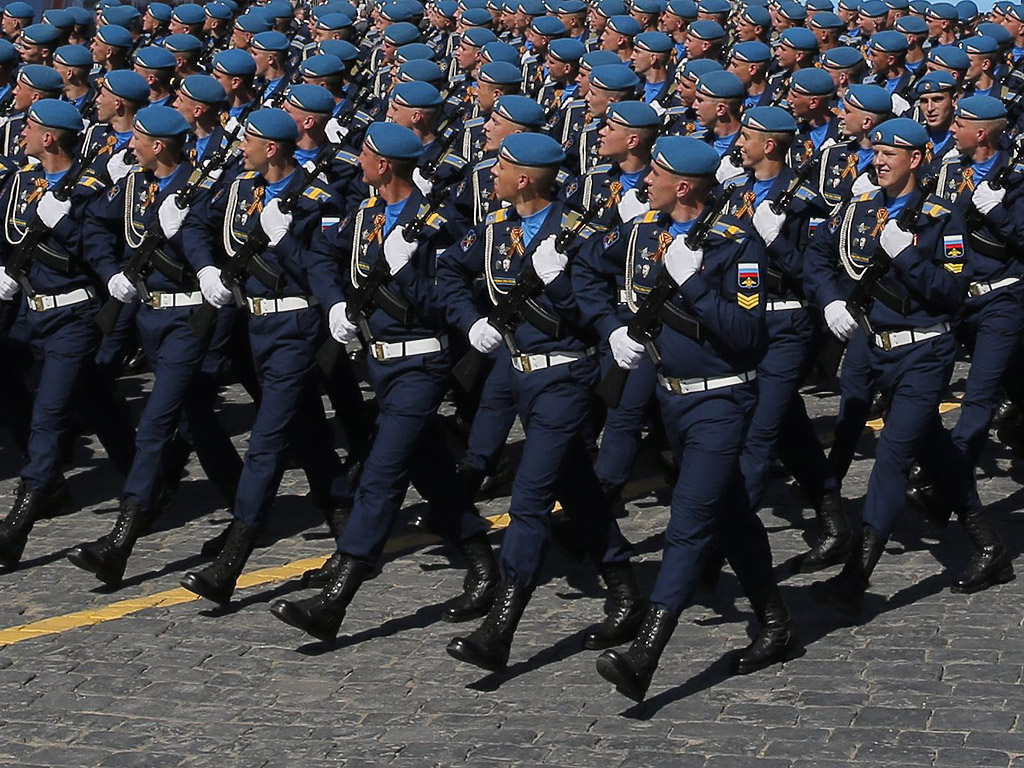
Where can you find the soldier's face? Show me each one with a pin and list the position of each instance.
(370, 163)
(486, 95)
(937, 109)
(175, 27)
(687, 91)
(496, 129)
(965, 134)
(33, 134)
(613, 142)
(31, 54)
(706, 109)
(977, 66)
(254, 153)
(752, 146)
(854, 120)
(240, 39)
(894, 166)
(24, 96)
(401, 115)
(786, 56)
(506, 180)
(466, 55)
(661, 188)
(695, 47)
(597, 101)
(9, 25)
(801, 104)
(145, 148)
(642, 61)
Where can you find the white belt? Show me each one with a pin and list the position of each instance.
(689, 386)
(162, 300)
(891, 339)
(40, 303)
(260, 306)
(529, 363)
(776, 306)
(980, 289)
(623, 296)
(384, 350)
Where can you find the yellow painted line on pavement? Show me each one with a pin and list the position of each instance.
(878, 424)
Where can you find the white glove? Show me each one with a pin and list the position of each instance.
(658, 109)
(117, 168)
(171, 217)
(342, 329)
(547, 261)
(630, 207)
(51, 210)
(985, 198)
(768, 223)
(335, 131)
(274, 221)
(424, 185)
(829, 142)
(863, 184)
(397, 250)
(894, 240)
(231, 124)
(8, 286)
(900, 106)
(839, 320)
(213, 290)
(483, 336)
(121, 288)
(729, 168)
(626, 352)
(681, 261)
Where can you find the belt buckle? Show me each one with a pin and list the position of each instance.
(379, 351)
(886, 338)
(975, 290)
(156, 299)
(38, 303)
(257, 305)
(527, 365)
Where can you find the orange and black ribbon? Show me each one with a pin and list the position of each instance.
(882, 216)
(664, 241)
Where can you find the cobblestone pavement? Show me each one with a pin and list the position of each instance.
(929, 678)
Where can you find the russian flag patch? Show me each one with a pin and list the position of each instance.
(953, 246)
(749, 275)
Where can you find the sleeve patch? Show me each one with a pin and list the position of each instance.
(468, 240)
(748, 275)
(611, 237)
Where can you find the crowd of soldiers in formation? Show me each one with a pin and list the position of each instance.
(605, 219)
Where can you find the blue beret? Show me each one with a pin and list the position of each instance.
(842, 57)
(402, 33)
(625, 25)
(685, 156)
(944, 11)
(394, 141)
(610, 8)
(311, 98)
(919, 6)
(115, 36)
(104, 4)
(571, 6)
(567, 49)
(412, 51)
(81, 15)
(1016, 11)
(159, 11)
(997, 32)
(217, 11)
(322, 65)
(121, 15)
(500, 73)
(396, 12)
(769, 119)
(416, 95)
(203, 88)
(499, 51)
(827, 20)
(897, 5)
(633, 114)
(869, 98)
(812, 81)
(521, 110)
(979, 44)
(752, 52)
(695, 68)
(189, 13)
(967, 10)
(279, 9)
(8, 53)
(422, 70)
(532, 7)
(128, 85)
(888, 41)
(684, 9)
(40, 34)
(820, 5)
(980, 108)
(655, 42)
(477, 17)
(757, 15)
(949, 56)
(332, 22)
(536, 150)
(155, 57)
(648, 6)
(1003, 6)
(19, 10)
(73, 56)
(799, 38)
(721, 85)
(447, 8)
(714, 6)
(343, 49)
(59, 18)
(478, 37)
(873, 9)
(182, 43)
(271, 41)
(160, 122)
(849, 5)
(792, 11)
(234, 62)
(550, 26)
(231, 4)
(252, 22)
(54, 113)
(599, 59)
(900, 132)
(936, 82)
(614, 77)
(912, 25)
(272, 125)
(42, 78)
(705, 29)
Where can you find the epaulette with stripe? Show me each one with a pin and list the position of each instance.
(866, 196)
(316, 193)
(369, 202)
(570, 219)
(248, 175)
(435, 219)
(30, 166)
(728, 231)
(207, 183)
(455, 161)
(805, 192)
(487, 163)
(935, 207)
(346, 157)
(650, 217)
(91, 182)
(474, 122)
(495, 217)
(601, 168)
(952, 157)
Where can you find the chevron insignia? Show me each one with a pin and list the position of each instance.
(748, 300)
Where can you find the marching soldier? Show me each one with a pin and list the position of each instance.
(74, 62)
(810, 101)
(936, 102)
(157, 66)
(34, 83)
(110, 49)
(609, 84)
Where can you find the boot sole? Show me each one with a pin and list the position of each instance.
(609, 670)
(82, 561)
(461, 618)
(199, 587)
(813, 566)
(283, 611)
(791, 651)
(1005, 576)
(460, 651)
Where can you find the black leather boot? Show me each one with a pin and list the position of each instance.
(631, 672)
(922, 496)
(489, 645)
(836, 538)
(776, 641)
(217, 581)
(318, 578)
(321, 616)
(336, 517)
(480, 583)
(471, 479)
(108, 556)
(14, 528)
(627, 608)
(845, 591)
(212, 547)
(990, 564)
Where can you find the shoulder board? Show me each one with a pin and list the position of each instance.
(497, 216)
(576, 104)
(91, 182)
(935, 207)
(316, 193)
(436, 220)
(248, 175)
(601, 168)
(680, 110)
(952, 157)
(1018, 168)
(485, 163)
(369, 202)
(207, 183)
(804, 192)
(562, 176)
(456, 161)
(30, 166)
(866, 196)
(346, 157)
(476, 121)
(728, 231)
(649, 218)
(364, 116)
(735, 181)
